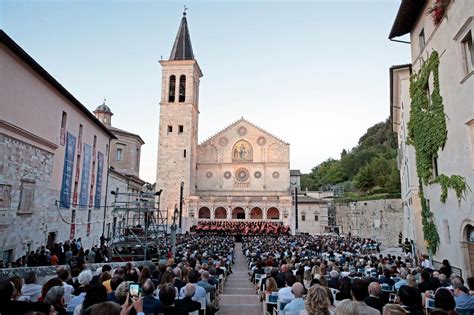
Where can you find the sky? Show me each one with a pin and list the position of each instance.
(313, 73)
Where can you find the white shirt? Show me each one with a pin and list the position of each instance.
(426, 264)
(285, 294)
(198, 295)
(30, 292)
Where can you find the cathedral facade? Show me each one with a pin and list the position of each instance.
(240, 173)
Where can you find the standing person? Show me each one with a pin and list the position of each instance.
(446, 268)
(407, 246)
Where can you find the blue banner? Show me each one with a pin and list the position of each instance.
(85, 180)
(66, 187)
(98, 182)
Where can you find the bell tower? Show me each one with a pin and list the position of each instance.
(178, 131)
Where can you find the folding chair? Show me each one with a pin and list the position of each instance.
(280, 307)
(203, 305)
(270, 299)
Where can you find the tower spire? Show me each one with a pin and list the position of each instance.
(182, 49)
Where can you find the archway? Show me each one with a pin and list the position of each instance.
(469, 239)
(220, 213)
(273, 213)
(238, 213)
(204, 213)
(256, 213)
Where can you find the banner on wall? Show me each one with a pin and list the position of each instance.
(66, 187)
(86, 171)
(98, 182)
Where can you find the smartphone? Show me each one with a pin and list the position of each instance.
(134, 290)
(392, 297)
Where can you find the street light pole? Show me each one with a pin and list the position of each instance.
(173, 233)
(181, 188)
(296, 210)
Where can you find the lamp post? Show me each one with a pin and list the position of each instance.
(173, 233)
(181, 188)
(296, 210)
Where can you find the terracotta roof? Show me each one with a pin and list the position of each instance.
(182, 48)
(117, 130)
(308, 199)
(23, 55)
(407, 15)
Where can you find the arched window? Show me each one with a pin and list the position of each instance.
(172, 89)
(182, 88)
(204, 213)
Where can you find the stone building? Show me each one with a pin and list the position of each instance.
(240, 173)
(400, 97)
(380, 220)
(447, 30)
(123, 178)
(53, 159)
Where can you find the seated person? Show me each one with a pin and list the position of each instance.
(297, 304)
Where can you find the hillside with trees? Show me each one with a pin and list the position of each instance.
(368, 169)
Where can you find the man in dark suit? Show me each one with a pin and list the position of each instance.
(373, 300)
(334, 281)
(150, 303)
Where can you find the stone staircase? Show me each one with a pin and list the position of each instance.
(239, 296)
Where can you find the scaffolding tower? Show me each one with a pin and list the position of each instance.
(138, 227)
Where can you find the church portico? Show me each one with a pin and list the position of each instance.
(239, 208)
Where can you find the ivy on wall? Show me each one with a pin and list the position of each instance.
(427, 132)
(429, 228)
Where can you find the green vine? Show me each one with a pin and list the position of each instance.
(427, 126)
(429, 228)
(428, 133)
(455, 182)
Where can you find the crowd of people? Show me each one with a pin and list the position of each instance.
(240, 228)
(61, 254)
(334, 275)
(308, 275)
(187, 283)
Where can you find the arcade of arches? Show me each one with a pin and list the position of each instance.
(252, 213)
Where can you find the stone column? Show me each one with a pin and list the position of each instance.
(213, 213)
(229, 212)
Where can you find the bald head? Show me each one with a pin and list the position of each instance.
(375, 289)
(297, 289)
(189, 290)
(284, 268)
(205, 275)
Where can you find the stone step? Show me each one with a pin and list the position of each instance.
(246, 299)
(247, 291)
(238, 285)
(245, 284)
(240, 310)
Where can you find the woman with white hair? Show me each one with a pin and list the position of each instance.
(55, 297)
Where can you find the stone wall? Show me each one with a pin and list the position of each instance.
(45, 273)
(25, 179)
(381, 220)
